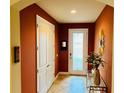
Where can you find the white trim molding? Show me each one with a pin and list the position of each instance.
(64, 73)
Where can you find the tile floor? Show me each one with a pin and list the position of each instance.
(69, 84)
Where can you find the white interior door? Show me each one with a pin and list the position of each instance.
(78, 50)
(45, 54)
(50, 54)
(41, 59)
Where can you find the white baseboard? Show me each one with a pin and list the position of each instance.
(68, 73)
(53, 81)
(64, 73)
(56, 76)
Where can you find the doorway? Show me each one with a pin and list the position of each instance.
(78, 51)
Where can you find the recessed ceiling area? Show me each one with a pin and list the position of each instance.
(84, 11)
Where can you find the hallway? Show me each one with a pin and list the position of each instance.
(56, 36)
(69, 84)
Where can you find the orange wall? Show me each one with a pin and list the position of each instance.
(105, 23)
(28, 46)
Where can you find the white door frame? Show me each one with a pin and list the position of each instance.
(85, 49)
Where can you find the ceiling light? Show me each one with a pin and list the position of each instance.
(73, 11)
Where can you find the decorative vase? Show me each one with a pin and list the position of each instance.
(96, 77)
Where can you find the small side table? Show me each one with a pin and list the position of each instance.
(92, 87)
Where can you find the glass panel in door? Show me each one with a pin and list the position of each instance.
(77, 51)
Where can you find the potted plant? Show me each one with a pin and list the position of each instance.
(95, 60)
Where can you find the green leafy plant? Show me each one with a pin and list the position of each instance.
(95, 60)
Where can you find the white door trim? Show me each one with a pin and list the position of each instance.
(85, 31)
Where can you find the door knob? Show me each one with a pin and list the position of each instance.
(70, 55)
(48, 65)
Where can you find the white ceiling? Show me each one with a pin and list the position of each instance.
(108, 2)
(87, 10)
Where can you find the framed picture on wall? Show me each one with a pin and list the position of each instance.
(63, 45)
(16, 54)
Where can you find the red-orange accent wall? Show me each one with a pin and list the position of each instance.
(63, 35)
(28, 46)
(105, 23)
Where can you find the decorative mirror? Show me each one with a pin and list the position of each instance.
(101, 42)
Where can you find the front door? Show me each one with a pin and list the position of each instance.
(78, 50)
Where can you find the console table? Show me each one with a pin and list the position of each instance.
(92, 87)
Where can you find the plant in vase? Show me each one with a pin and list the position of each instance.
(95, 60)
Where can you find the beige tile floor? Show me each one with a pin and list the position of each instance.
(69, 84)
